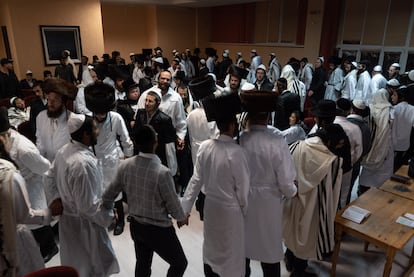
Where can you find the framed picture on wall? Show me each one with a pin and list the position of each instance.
(56, 39)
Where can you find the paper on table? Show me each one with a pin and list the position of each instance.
(355, 213)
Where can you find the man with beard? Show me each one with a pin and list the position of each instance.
(362, 91)
(77, 179)
(172, 105)
(51, 124)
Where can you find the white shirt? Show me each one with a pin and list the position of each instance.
(349, 85)
(362, 90)
(378, 81)
(51, 133)
(80, 104)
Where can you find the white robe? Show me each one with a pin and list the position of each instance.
(334, 84)
(222, 167)
(378, 82)
(348, 89)
(32, 167)
(108, 149)
(271, 178)
(362, 90)
(294, 133)
(84, 240)
(199, 130)
(403, 115)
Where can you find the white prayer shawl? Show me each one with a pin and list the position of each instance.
(348, 89)
(378, 82)
(274, 70)
(308, 219)
(222, 168)
(306, 74)
(403, 115)
(293, 84)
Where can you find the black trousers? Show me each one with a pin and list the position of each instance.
(45, 237)
(163, 241)
(269, 270)
(297, 265)
(208, 271)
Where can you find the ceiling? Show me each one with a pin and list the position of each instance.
(182, 3)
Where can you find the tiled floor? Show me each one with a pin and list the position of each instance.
(353, 261)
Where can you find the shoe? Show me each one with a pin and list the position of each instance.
(51, 254)
(289, 266)
(119, 229)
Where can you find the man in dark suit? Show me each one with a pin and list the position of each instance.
(160, 121)
(38, 104)
(289, 102)
(262, 82)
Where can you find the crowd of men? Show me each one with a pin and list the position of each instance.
(162, 134)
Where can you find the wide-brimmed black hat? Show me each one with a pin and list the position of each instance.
(202, 87)
(118, 72)
(179, 75)
(100, 98)
(221, 107)
(324, 108)
(129, 84)
(259, 100)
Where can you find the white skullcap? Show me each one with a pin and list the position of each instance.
(203, 61)
(227, 51)
(187, 50)
(354, 63)
(225, 54)
(272, 54)
(75, 121)
(174, 51)
(247, 86)
(253, 51)
(396, 65)
(411, 75)
(131, 54)
(262, 66)
(239, 53)
(29, 72)
(322, 59)
(378, 68)
(159, 60)
(91, 67)
(12, 100)
(359, 104)
(393, 83)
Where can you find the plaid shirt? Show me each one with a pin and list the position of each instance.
(150, 190)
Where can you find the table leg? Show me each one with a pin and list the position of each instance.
(338, 237)
(390, 259)
(410, 264)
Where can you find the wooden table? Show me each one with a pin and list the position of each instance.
(380, 227)
(389, 185)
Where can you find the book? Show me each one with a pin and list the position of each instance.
(355, 214)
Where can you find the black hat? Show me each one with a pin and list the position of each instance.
(202, 87)
(60, 86)
(239, 72)
(129, 84)
(179, 75)
(5, 61)
(325, 108)
(100, 98)
(105, 56)
(343, 105)
(259, 100)
(334, 60)
(4, 120)
(221, 107)
(118, 72)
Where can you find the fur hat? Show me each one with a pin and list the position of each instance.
(61, 87)
(100, 98)
(259, 100)
(221, 107)
(202, 87)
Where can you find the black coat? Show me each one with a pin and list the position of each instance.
(162, 124)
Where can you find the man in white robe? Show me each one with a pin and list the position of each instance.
(362, 90)
(222, 168)
(76, 177)
(272, 176)
(336, 77)
(378, 80)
